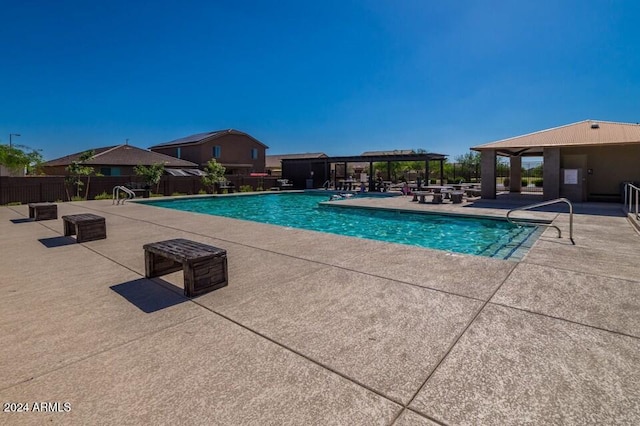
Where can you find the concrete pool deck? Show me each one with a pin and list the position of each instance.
(317, 328)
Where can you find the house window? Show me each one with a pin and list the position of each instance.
(254, 153)
(216, 152)
(178, 152)
(110, 171)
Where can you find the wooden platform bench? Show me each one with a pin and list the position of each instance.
(204, 266)
(43, 211)
(85, 226)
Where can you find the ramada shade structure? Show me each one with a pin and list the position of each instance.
(305, 172)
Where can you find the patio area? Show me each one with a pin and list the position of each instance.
(317, 328)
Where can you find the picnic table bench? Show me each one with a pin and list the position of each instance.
(85, 226)
(422, 195)
(204, 266)
(43, 211)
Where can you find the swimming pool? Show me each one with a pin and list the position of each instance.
(478, 236)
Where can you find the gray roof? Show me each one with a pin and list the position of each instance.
(199, 138)
(276, 160)
(122, 155)
(394, 152)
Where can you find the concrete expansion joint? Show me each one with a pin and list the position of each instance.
(94, 354)
(459, 336)
(620, 333)
(582, 272)
(298, 353)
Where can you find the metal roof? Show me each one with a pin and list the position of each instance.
(426, 156)
(275, 160)
(583, 133)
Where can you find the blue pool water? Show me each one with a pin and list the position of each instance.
(483, 237)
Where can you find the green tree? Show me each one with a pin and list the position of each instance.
(214, 174)
(20, 157)
(469, 164)
(76, 170)
(151, 174)
(392, 169)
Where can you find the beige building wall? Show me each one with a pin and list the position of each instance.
(607, 167)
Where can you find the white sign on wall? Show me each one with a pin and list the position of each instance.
(570, 176)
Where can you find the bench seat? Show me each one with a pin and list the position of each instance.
(204, 267)
(85, 226)
(43, 211)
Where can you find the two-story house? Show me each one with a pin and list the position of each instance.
(238, 152)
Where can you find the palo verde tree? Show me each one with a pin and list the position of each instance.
(151, 174)
(19, 157)
(469, 164)
(76, 170)
(214, 174)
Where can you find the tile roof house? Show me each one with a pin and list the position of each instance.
(585, 161)
(239, 152)
(116, 160)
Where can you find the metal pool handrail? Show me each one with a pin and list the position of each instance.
(116, 194)
(546, 203)
(629, 191)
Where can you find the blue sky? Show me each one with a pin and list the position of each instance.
(340, 77)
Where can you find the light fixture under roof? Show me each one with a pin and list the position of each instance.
(595, 126)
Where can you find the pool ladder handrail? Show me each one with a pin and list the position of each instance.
(546, 203)
(116, 194)
(630, 190)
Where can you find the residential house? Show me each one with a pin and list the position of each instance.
(238, 152)
(119, 160)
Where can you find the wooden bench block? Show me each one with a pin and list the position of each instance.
(43, 211)
(204, 266)
(85, 226)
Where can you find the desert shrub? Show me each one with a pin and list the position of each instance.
(524, 183)
(103, 196)
(506, 182)
(538, 183)
(246, 188)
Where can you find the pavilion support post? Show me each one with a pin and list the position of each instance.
(488, 173)
(371, 184)
(426, 172)
(441, 172)
(551, 173)
(515, 174)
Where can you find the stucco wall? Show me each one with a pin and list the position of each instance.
(235, 149)
(608, 166)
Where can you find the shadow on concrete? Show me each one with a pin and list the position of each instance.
(147, 295)
(22, 220)
(57, 241)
